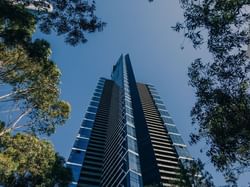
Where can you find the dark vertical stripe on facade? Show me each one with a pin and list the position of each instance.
(92, 166)
(113, 163)
(149, 169)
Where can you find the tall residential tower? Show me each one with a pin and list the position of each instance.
(127, 137)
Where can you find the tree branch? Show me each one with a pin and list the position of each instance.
(3, 97)
(14, 124)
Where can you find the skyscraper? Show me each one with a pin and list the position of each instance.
(127, 137)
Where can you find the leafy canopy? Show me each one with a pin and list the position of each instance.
(222, 109)
(71, 18)
(27, 161)
(34, 92)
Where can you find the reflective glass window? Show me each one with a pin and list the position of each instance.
(167, 120)
(127, 95)
(100, 83)
(87, 123)
(134, 163)
(98, 90)
(99, 87)
(159, 102)
(176, 139)
(126, 90)
(90, 116)
(81, 143)
(131, 131)
(127, 98)
(156, 97)
(152, 89)
(154, 92)
(97, 94)
(92, 109)
(150, 85)
(135, 180)
(164, 113)
(128, 103)
(96, 98)
(75, 172)
(132, 144)
(182, 151)
(84, 132)
(92, 103)
(161, 107)
(76, 156)
(129, 119)
(102, 79)
(171, 129)
(129, 111)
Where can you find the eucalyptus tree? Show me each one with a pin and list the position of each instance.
(27, 161)
(33, 89)
(71, 18)
(222, 109)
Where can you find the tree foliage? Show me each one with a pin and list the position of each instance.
(71, 18)
(192, 173)
(33, 80)
(222, 109)
(27, 71)
(28, 161)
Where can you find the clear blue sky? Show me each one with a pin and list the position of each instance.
(143, 30)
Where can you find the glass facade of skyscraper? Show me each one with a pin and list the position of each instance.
(127, 137)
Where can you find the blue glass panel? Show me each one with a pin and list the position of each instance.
(129, 111)
(132, 144)
(154, 92)
(102, 79)
(96, 99)
(126, 90)
(90, 116)
(134, 163)
(99, 87)
(129, 119)
(135, 180)
(87, 123)
(156, 97)
(131, 131)
(92, 103)
(72, 185)
(164, 113)
(128, 103)
(98, 90)
(100, 83)
(75, 172)
(167, 120)
(176, 139)
(171, 129)
(85, 132)
(97, 94)
(182, 151)
(159, 102)
(76, 156)
(92, 109)
(161, 107)
(151, 86)
(127, 95)
(81, 143)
